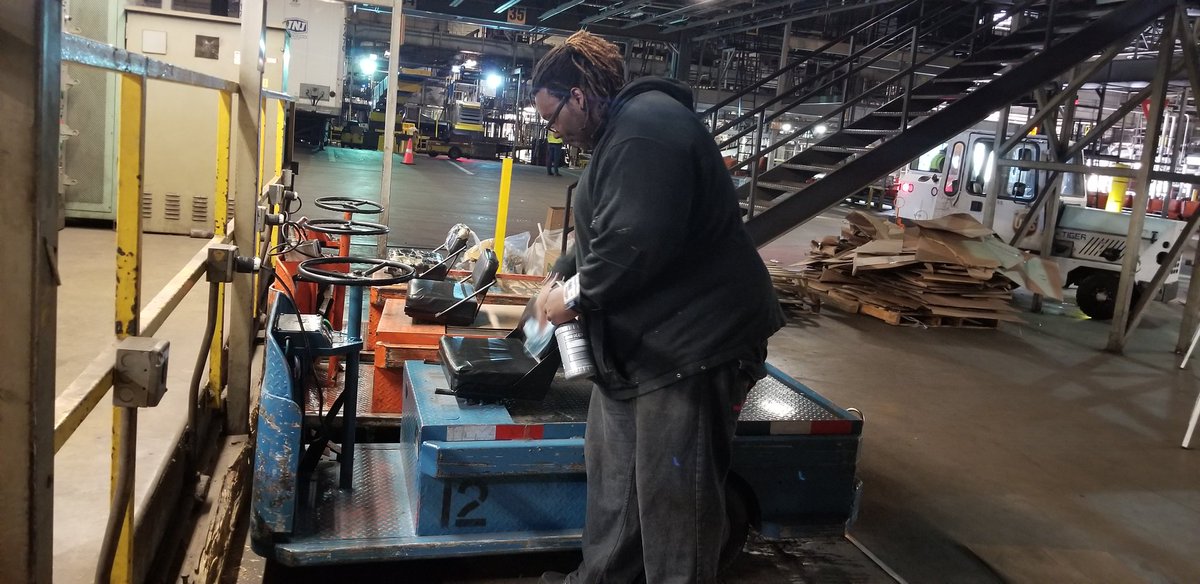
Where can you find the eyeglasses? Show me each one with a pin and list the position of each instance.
(554, 117)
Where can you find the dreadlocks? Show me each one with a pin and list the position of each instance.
(588, 62)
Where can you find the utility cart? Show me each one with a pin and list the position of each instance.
(460, 478)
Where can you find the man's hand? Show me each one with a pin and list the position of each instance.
(550, 305)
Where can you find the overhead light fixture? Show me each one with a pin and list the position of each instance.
(367, 65)
(786, 127)
(470, 64)
(504, 7)
(494, 81)
(820, 130)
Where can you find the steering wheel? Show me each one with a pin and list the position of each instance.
(317, 270)
(349, 205)
(344, 227)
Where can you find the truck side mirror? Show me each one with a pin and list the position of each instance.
(1018, 190)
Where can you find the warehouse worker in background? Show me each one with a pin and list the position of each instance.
(677, 305)
(554, 152)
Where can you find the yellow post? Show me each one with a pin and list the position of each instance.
(280, 117)
(220, 222)
(129, 264)
(262, 165)
(1116, 194)
(502, 210)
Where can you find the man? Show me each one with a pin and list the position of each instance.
(677, 305)
(554, 151)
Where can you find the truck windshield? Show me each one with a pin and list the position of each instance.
(979, 167)
(1018, 183)
(932, 161)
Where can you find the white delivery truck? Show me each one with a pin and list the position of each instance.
(1088, 243)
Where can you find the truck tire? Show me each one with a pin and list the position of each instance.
(737, 513)
(1097, 294)
(432, 154)
(455, 153)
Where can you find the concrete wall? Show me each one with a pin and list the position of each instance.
(179, 180)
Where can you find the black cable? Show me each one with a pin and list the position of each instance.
(201, 359)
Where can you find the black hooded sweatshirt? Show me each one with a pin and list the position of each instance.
(670, 282)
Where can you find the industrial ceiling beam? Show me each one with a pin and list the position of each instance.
(501, 9)
(561, 8)
(666, 16)
(483, 15)
(813, 13)
(754, 10)
(615, 10)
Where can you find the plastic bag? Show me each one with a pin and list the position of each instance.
(543, 252)
(514, 253)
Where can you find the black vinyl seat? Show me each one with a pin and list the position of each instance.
(519, 366)
(454, 303)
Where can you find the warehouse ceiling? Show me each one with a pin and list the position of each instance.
(657, 19)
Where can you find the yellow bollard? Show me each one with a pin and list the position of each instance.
(502, 210)
(1116, 194)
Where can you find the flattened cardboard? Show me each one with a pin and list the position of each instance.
(874, 227)
(881, 247)
(871, 262)
(961, 223)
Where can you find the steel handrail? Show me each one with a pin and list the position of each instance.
(847, 104)
(839, 76)
(85, 51)
(83, 394)
(797, 63)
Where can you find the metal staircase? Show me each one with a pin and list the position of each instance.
(996, 71)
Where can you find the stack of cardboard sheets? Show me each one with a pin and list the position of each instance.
(950, 271)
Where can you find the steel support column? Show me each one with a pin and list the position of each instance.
(246, 195)
(1176, 147)
(1058, 145)
(682, 67)
(993, 189)
(389, 123)
(29, 65)
(1118, 335)
(785, 49)
(1191, 311)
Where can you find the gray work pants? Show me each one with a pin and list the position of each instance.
(656, 468)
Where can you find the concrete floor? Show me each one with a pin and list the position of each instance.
(1023, 454)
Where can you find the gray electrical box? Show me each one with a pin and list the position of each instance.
(221, 264)
(140, 373)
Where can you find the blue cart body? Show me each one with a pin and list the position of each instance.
(484, 479)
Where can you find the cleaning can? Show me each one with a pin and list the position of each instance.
(575, 350)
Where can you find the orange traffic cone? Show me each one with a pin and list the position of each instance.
(408, 155)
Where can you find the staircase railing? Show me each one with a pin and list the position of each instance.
(881, 44)
(849, 103)
(714, 110)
